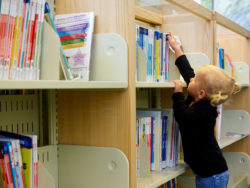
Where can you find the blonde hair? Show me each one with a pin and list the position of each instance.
(218, 85)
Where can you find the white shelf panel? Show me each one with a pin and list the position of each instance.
(158, 178)
(156, 85)
(62, 84)
(224, 142)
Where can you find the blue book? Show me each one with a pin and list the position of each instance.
(164, 141)
(141, 32)
(169, 184)
(221, 58)
(25, 141)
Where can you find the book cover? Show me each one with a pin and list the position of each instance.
(75, 32)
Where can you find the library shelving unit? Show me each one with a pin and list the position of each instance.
(87, 130)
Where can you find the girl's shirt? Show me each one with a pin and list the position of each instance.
(196, 123)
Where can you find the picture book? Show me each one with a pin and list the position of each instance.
(75, 32)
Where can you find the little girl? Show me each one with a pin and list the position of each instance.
(197, 115)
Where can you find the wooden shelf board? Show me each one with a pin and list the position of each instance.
(186, 6)
(61, 84)
(158, 178)
(148, 16)
(156, 85)
(231, 25)
(224, 142)
(193, 7)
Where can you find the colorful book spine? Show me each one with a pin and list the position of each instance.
(16, 40)
(150, 54)
(10, 36)
(166, 58)
(24, 40)
(5, 10)
(157, 45)
(7, 167)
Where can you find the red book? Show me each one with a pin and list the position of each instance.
(8, 170)
(3, 173)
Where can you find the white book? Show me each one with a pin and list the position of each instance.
(75, 32)
(34, 166)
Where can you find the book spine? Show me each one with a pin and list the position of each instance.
(14, 56)
(5, 9)
(8, 171)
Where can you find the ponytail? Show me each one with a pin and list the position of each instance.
(218, 98)
(236, 88)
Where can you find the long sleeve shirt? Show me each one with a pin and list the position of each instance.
(196, 122)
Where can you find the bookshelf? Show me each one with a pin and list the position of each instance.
(100, 115)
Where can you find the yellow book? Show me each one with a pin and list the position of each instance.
(14, 56)
(27, 165)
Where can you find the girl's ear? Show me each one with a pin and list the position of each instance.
(202, 94)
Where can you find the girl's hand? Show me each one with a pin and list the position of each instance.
(177, 86)
(174, 45)
(172, 41)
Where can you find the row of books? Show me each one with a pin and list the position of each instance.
(170, 184)
(159, 131)
(153, 54)
(19, 92)
(18, 161)
(21, 23)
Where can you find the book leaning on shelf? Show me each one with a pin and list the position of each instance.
(76, 33)
(18, 160)
(158, 140)
(21, 25)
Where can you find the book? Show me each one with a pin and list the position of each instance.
(221, 58)
(76, 32)
(2, 170)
